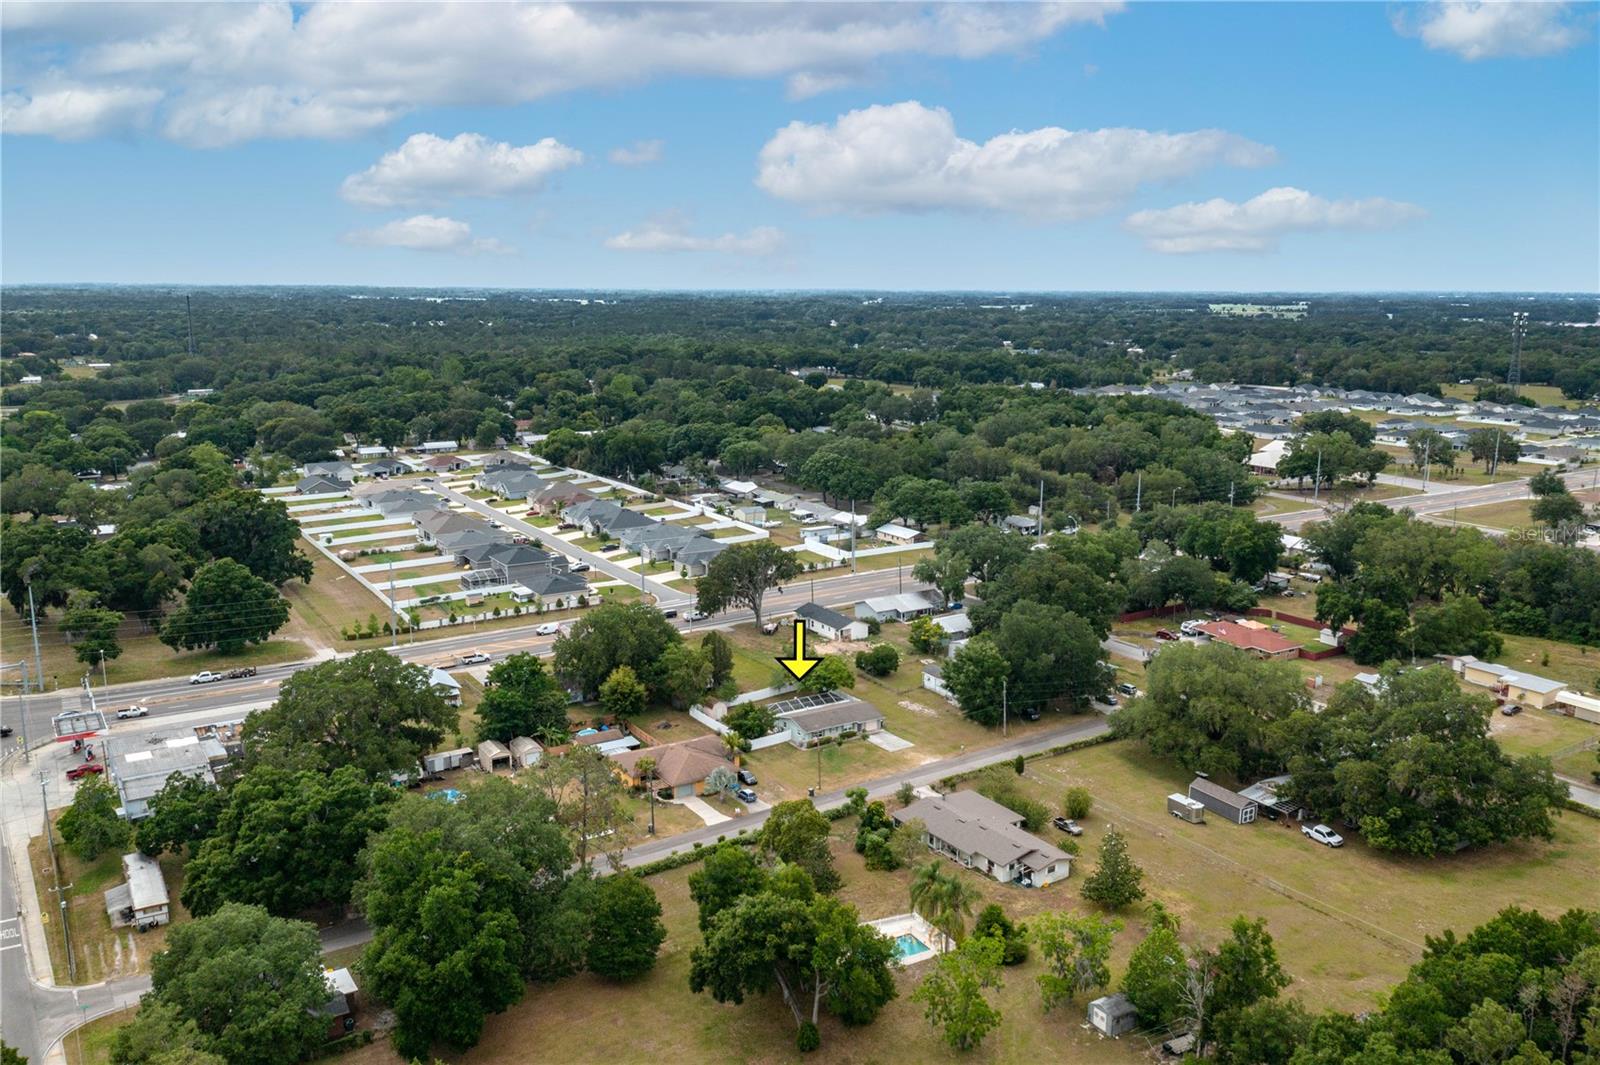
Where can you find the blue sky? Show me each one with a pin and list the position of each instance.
(1148, 146)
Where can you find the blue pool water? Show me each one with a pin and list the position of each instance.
(908, 945)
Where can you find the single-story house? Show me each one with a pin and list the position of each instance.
(141, 899)
(556, 496)
(496, 459)
(432, 524)
(446, 685)
(435, 446)
(340, 1009)
(468, 545)
(1025, 524)
(596, 516)
(525, 752)
(1113, 1015)
(933, 680)
(510, 482)
(681, 767)
(320, 485)
(338, 471)
(955, 624)
(372, 451)
(492, 755)
(696, 555)
(830, 624)
(442, 464)
(898, 534)
(1513, 685)
(983, 835)
(809, 718)
(555, 589)
(1220, 800)
(384, 468)
(740, 488)
(752, 515)
(902, 607)
(657, 541)
(824, 534)
(1254, 638)
(1265, 461)
(499, 564)
(401, 502)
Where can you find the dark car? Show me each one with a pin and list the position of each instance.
(1166, 634)
(1511, 709)
(1031, 713)
(747, 777)
(5, 730)
(669, 613)
(242, 671)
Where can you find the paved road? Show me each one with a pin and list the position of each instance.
(665, 595)
(233, 698)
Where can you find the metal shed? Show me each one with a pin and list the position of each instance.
(525, 752)
(493, 755)
(1219, 800)
(439, 761)
(1113, 1015)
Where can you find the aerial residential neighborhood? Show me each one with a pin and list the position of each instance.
(890, 533)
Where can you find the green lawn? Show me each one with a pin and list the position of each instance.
(1570, 662)
(144, 657)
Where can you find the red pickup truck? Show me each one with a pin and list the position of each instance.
(78, 772)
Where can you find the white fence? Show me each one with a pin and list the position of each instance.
(771, 739)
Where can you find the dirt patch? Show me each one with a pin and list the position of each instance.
(917, 708)
(845, 647)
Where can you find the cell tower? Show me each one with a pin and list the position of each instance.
(1519, 329)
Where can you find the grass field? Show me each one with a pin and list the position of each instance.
(1570, 662)
(1544, 395)
(143, 657)
(91, 1044)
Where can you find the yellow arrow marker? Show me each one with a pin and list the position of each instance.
(799, 665)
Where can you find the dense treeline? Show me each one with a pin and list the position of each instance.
(1402, 343)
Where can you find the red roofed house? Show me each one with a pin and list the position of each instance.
(1257, 639)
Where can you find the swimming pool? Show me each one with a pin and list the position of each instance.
(907, 945)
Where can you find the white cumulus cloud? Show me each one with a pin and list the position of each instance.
(908, 157)
(426, 232)
(1257, 224)
(639, 153)
(226, 73)
(1474, 29)
(671, 234)
(76, 112)
(428, 168)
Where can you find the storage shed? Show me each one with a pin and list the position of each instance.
(1219, 800)
(439, 761)
(493, 755)
(1113, 1015)
(525, 752)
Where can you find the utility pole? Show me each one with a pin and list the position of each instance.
(22, 712)
(1041, 510)
(33, 620)
(1005, 715)
(1138, 493)
(394, 615)
(1427, 466)
(103, 681)
(1316, 481)
(1230, 493)
(1494, 471)
(852, 551)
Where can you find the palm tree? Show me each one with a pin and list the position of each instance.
(734, 743)
(944, 899)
